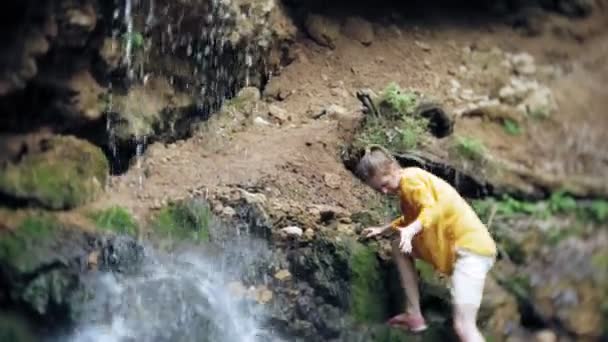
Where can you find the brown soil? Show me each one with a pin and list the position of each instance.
(300, 160)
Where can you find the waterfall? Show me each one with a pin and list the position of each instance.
(182, 296)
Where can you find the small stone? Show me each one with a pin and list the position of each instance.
(358, 29)
(260, 121)
(539, 103)
(339, 92)
(228, 212)
(252, 198)
(278, 113)
(332, 180)
(282, 275)
(93, 260)
(309, 234)
(292, 231)
(424, 46)
(335, 111)
(323, 30)
(218, 207)
(263, 295)
(427, 64)
(545, 336)
(523, 63)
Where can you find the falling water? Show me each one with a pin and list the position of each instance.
(129, 40)
(176, 297)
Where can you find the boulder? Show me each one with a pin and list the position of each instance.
(323, 30)
(65, 172)
(358, 29)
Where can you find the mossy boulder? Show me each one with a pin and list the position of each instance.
(64, 173)
(38, 261)
(44, 257)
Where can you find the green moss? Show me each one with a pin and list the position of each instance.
(469, 148)
(68, 173)
(18, 247)
(115, 219)
(368, 302)
(186, 220)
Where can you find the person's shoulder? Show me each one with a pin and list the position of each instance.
(414, 171)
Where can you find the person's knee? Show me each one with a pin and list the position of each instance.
(460, 326)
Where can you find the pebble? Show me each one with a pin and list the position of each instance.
(252, 198)
(545, 336)
(309, 234)
(282, 275)
(263, 295)
(332, 180)
(424, 46)
(260, 121)
(335, 110)
(278, 113)
(228, 212)
(292, 231)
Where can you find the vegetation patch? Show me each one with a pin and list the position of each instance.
(512, 127)
(368, 302)
(115, 219)
(469, 148)
(18, 247)
(559, 203)
(66, 173)
(396, 127)
(185, 220)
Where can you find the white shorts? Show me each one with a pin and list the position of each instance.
(469, 276)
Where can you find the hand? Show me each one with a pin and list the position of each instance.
(371, 232)
(405, 245)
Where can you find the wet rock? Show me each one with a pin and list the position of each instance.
(309, 233)
(248, 94)
(575, 8)
(263, 295)
(323, 30)
(358, 29)
(292, 231)
(86, 100)
(43, 260)
(282, 275)
(64, 173)
(545, 336)
(252, 198)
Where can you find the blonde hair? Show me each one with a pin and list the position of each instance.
(375, 160)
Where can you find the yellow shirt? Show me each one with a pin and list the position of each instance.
(448, 222)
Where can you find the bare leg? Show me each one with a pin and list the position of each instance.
(465, 318)
(409, 279)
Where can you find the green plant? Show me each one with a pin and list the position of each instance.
(396, 101)
(512, 127)
(115, 219)
(469, 148)
(186, 220)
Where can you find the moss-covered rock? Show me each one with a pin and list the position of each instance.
(367, 280)
(187, 220)
(66, 172)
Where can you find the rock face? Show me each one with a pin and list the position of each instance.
(42, 261)
(64, 172)
(62, 70)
